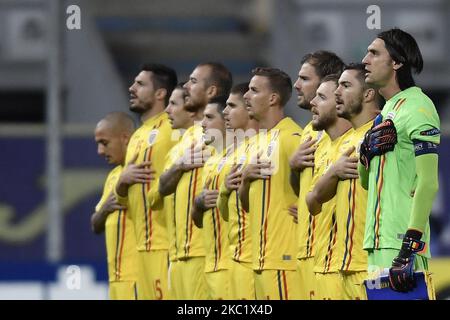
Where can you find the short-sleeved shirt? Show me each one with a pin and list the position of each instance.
(392, 176)
(151, 142)
(274, 235)
(169, 206)
(351, 205)
(306, 222)
(120, 237)
(326, 258)
(189, 238)
(239, 236)
(215, 228)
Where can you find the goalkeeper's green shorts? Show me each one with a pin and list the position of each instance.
(382, 258)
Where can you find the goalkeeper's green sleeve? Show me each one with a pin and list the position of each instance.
(427, 187)
(363, 176)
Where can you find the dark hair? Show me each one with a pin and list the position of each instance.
(220, 101)
(163, 77)
(240, 88)
(360, 68)
(180, 86)
(403, 48)
(219, 76)
(279, 81)
(324, 62)
(331, 77)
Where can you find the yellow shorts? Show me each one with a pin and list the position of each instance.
(307, 284)
(123, 290)
(277, 285)
(193, 284)
(354, 288)
(242, 282)
(218, 284)
(329, 286)
(174, 280)
(153, 275)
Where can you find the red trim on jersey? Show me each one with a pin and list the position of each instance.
(353, 222)
(191, 225)
(378, 214)
(122, 240)
(218, 223)
(286, 296)
(148, 240)
(266, 220)
(399, 103)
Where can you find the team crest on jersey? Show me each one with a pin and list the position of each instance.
(152, 136)
(344, 146)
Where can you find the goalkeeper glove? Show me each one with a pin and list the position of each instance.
(401, 274)
(381, 138)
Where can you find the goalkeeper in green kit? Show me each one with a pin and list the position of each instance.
(399, 162)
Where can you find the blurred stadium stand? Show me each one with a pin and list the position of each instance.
(99, 63)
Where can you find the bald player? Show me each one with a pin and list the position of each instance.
(112, 135)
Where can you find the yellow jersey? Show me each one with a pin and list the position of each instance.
(239, 236)
(189, 238)
(215, 228)
(306, 222)
(151, 142)
(326, 258)
(351, 205)
(168, 202)
(274, 235)
(120, 237)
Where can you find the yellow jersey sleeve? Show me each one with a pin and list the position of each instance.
(120, 237)
(351, 206)
(151, 142)
(307, 223)
(269, 200)
(327, 255)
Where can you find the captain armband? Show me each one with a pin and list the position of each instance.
(424, 147)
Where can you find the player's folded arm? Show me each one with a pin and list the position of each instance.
(123, 200)
(314, 206)
(222, 201)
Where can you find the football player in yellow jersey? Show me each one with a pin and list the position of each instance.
(264, 192)
(328, 281)
(150, 143)
(182, 178)
(181, 120)
(315, 66)
(358, 103)
(240, 129)
(205, 213)
(112, 135)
